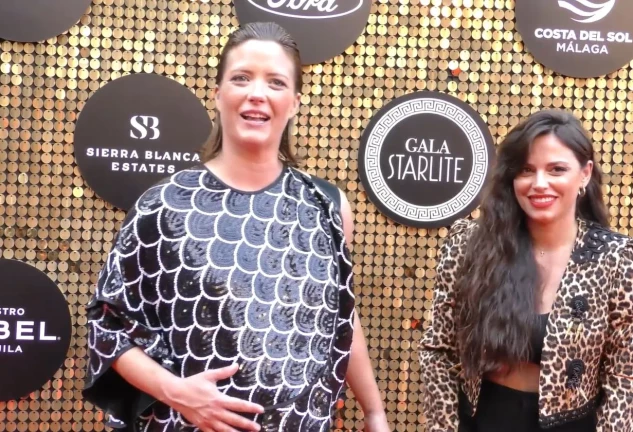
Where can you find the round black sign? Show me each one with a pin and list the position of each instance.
(424, 158)
(35, 329)
(38, 20)
(136, 131)
(321, 28)
(577, 38)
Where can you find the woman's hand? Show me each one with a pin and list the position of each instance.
(198, 399)
(376, 422)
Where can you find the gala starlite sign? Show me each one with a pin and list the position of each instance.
(424, 159)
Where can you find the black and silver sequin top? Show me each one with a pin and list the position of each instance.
(202, 276)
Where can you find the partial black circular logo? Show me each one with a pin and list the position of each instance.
(424, 159)
(577, 38)
(322, 28)
(38, 20)
(135, 131)
(35, 329)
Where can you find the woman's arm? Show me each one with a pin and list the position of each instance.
(615, 414)
(360, 374)
(361, 379)
(438, 356)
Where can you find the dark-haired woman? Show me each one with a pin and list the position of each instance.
(225, 303)
(532, 324)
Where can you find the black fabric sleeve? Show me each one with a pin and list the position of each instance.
(329, 189)
(118, 323)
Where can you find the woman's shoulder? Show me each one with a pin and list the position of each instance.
(312, 177)
(612, 251)
(330, 189)
(455, 243)
(609, 249)
(461, 230)
(600, 237)
(462, 225)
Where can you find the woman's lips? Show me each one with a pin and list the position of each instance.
(541, 202)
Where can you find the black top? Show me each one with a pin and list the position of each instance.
(202, 276)
(538, 337)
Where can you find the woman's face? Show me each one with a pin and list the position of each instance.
(257, 96)
(548, 185)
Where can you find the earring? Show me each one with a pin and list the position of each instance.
(582, 191)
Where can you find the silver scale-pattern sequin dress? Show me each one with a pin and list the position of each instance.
(202, 276)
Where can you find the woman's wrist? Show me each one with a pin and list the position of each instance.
(375, 413)
(147, 375)
(376, 421)
(373, 406)
(170, 392)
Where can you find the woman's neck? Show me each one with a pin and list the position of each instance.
(554, 235)
(244, 170)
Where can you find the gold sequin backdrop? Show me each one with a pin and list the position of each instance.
(468, 48)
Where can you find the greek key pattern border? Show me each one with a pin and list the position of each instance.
(426, 106)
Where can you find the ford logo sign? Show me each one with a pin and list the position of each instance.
(309, 9)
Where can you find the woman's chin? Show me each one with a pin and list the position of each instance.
(257, 141)
(542, 217)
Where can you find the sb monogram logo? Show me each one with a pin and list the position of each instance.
(143, 125)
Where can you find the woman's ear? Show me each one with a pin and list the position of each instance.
(586, 173)
(216, 97)
(296, 105)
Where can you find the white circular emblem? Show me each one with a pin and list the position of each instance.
(467, 149)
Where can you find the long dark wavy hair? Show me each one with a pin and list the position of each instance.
(260, 31)
(499, 280)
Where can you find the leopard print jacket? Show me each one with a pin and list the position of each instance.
(587, 359)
